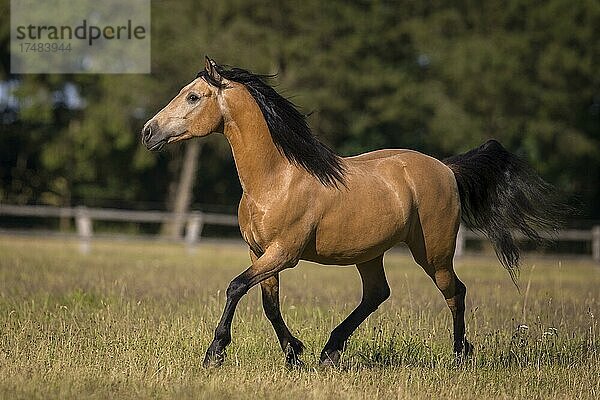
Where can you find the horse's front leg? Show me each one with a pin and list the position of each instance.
(274, 260)
(291, 346)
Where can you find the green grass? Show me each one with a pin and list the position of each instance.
(132, 320)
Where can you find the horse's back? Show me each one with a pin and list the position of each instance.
(426, 177)
(378, 155)
(424, 173)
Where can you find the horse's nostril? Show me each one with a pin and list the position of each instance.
(147, 131)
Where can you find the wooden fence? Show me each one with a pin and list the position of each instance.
(196, 220)
(565, 235)
(85, 216)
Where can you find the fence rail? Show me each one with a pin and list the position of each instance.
(195, 222)
(565, 235)
(85, 216)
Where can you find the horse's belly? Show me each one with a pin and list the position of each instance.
(345, 256)
(360, 231)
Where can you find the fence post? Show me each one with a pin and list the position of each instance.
(460, 242)
(596, 243)
(83, 223)
(193, 230)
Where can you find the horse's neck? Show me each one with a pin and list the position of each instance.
(258, 162)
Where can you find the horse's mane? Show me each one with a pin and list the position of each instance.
(288, 127)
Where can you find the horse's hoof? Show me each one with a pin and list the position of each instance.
(213, 359)
(463, 352)
(294, 363)
(292, 351)
(330, 358)
(468, 349)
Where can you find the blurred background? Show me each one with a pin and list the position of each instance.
(438, 77)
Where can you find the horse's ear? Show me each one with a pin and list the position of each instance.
(208, 63)
(210, 68)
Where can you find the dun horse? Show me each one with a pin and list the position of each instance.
(301, 201)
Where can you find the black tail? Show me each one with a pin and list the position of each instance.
(502, 195)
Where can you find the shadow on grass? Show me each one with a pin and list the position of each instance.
(495, 351)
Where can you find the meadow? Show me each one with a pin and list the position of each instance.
(133, 319)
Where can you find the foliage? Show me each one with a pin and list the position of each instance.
(436, 77)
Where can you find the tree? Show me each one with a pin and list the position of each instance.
(439, 78)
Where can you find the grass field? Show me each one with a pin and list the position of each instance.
(132, 320)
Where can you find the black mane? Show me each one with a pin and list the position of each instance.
(289, 130)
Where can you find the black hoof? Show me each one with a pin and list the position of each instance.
(294, 363)
(330, 358)
(214, 359)
(463, 350)
(468, 350)
(292, 351)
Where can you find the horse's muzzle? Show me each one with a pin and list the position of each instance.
(152, 138)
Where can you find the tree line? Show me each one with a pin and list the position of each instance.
(438, 77)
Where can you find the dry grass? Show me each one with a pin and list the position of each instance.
(133, 321)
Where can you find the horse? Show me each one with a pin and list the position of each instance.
(302, 201)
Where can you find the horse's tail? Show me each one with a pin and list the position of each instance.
(501, 195)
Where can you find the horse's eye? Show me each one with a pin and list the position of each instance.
(192, 98)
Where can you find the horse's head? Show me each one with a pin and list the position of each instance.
(193, 112)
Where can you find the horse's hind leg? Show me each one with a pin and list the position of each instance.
(375, 291)
(291, 346)
(440, 269)
(454, 292)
